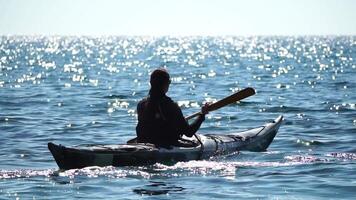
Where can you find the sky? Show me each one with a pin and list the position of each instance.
(177, 17)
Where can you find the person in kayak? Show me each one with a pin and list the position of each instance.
(160, 120)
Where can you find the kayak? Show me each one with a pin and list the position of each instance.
(194, 148)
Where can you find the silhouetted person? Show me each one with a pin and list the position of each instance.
(160, 120)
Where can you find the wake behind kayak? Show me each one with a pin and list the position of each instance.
(257, 139)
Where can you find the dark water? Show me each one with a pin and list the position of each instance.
(81, 90)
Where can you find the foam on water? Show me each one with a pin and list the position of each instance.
(189, 168)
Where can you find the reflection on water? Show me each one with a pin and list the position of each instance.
(157, 188)
(84, 90)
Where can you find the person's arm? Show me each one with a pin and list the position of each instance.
(194, 126)
(183, 126)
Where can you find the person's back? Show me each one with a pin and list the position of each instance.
(160, 120)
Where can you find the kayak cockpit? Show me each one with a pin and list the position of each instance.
(182, 142)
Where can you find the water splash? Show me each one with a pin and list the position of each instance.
(190, 168)
(181, 169)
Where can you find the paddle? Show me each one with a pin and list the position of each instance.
(224, 102)
(242, 94)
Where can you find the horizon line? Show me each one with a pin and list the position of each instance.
(176, 35)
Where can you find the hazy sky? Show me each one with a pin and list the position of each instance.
(178, 17)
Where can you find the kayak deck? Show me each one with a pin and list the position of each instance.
(257, 139)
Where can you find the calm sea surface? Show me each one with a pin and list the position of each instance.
(84, 90)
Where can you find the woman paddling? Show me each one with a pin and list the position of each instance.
(160, 120)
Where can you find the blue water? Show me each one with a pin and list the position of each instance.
(82, 90)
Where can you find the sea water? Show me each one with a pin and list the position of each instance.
(84, 90)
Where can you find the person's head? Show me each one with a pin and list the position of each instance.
(160, 80)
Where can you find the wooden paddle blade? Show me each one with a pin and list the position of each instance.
(232, 98)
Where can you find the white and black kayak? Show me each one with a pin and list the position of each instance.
(257, 139)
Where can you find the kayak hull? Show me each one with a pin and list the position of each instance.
(257, 139)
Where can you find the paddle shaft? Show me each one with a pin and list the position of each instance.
(227, 100)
